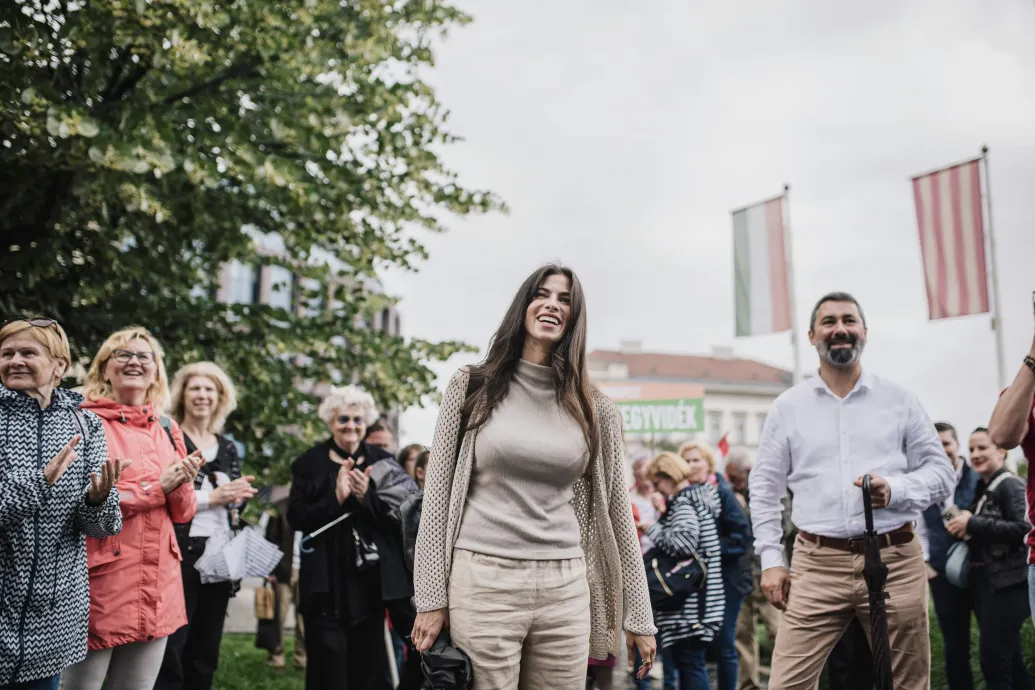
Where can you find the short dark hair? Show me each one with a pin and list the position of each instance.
(942, 427)
(379, 425)
(835, 297)
(980, 430)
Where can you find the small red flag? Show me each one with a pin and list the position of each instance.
(724, 446)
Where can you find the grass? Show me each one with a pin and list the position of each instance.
(243, 667)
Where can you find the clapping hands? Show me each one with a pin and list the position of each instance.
(350, 481)
(180, 472)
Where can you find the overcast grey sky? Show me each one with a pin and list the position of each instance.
(622, 134)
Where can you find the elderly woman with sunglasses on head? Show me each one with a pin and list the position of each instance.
(136, 591)
(355, 570)
(56, 485)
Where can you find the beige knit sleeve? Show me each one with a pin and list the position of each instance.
(639, 618)
(430, 579)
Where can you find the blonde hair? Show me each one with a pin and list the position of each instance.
(704, 449)
(667, 464)
(226, 404)
(97, 387)
(347, 396)
(52, 338)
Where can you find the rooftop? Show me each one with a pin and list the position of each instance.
(723, 367)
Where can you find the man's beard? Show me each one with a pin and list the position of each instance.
(841, 357)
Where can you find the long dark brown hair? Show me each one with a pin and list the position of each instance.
(490, 379)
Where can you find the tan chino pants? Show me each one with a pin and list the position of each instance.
(525, 624)
(827, 590)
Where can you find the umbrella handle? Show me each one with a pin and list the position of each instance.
(868, 505)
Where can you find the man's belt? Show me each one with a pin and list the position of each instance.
(896, 537)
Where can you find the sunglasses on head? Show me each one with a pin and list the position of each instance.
(36, 322)
(344, 419)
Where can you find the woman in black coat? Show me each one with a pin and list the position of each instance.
(202, 398)
(997, 526)
(353, 572)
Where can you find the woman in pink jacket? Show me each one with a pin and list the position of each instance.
(136, 591)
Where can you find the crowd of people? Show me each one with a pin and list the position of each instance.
(532, 553)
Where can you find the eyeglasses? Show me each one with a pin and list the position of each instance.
(37, 322)
(125, 356)
(344, 419)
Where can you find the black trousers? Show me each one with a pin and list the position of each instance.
(192, 652)
(1003, 613)
(953, 607)
(851, 662)
(340, 657)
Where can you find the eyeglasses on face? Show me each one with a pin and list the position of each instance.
(125, 356)
(358, 420)
(37, 322)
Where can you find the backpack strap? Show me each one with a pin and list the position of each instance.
(167, 425)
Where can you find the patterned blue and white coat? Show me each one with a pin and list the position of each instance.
(690, 523)
(44, 584)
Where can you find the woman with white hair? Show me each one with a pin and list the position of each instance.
(202, 398)
(353, 572)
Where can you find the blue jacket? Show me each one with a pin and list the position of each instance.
(736, 542)
(938, 539)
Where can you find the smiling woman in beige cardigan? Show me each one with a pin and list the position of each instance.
(527, 550)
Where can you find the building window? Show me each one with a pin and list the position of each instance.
(241, 283)
(311, 297)
(386, 320)
(739, 428)
(714, 426)
(280, 282)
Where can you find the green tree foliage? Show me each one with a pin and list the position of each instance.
(144, 143)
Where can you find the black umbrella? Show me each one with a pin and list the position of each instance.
(876, 574)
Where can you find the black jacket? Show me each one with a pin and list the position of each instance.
(736, 540)
(330, 583)
(997, 533)
(938, 538)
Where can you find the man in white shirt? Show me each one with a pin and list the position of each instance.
(819, 439)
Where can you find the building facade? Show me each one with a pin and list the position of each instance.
(737, 393)
(268, 283)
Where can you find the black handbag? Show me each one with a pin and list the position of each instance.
(671, 580)
(446, 667)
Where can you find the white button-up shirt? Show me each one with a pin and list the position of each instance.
(817, 444)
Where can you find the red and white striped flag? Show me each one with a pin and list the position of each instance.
(952, 240)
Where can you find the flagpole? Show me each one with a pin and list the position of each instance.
(997, 313)
(789, 256)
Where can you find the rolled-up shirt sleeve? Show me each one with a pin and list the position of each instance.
(930, 477)
(767, 486)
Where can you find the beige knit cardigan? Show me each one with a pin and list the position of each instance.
(614, 565)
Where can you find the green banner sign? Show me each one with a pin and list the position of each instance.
(685, 415)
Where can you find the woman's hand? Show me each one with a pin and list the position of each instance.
(427, 627)
(238, 490)
(647, 648)
(342, 486)
(179, 472)
(100, 486)
(360, 482)
(957, 526)
(57, 465)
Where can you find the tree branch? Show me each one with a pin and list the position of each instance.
(239, 70)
